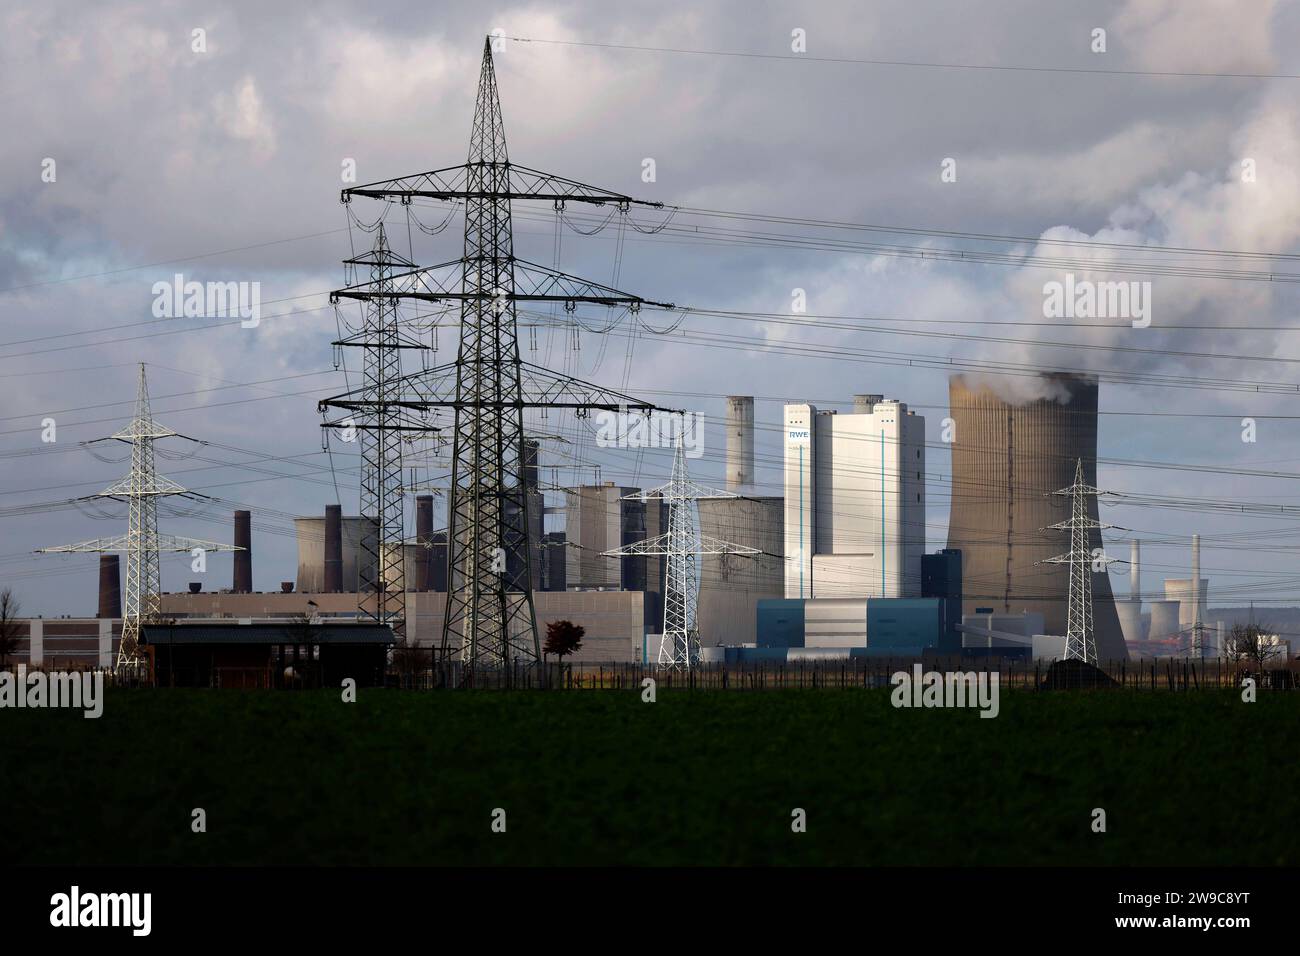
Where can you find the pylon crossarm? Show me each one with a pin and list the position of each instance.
(532, 283)
(710, 545)
(657, 545)
(132, 485)
(539, 388)
(680, 489)
(150, 542)
(1071, 524)
(365, 339)
(519, 182)
(542, 387)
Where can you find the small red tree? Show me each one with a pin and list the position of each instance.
(563, 637)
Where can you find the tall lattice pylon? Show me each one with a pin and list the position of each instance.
(142, 543)
(682, 544)
(1080, 643)
(490, 619)
(381, 595)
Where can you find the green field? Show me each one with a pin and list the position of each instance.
(598, 777)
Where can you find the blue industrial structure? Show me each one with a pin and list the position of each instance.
(904, 625)
(941, 578)
(780, 622)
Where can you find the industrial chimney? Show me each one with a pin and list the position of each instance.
(1135, 571)
(110, 586)
(740, 441)
(1198, 635)
(333, 578)
(531, 452)
(243, 583)
(424, 538)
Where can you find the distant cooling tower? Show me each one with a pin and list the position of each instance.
(311, 551)
(1179, 590)
(1164, 620)
(1130, 620)
(1007, 459)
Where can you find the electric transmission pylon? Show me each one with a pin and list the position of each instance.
(490, 617)
(142, 543)
(381, 595)
(1080, 643)
(682, 544)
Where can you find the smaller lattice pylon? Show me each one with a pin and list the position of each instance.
(1080, 641)
(140, 489)
(681, 545)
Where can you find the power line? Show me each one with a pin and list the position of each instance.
(911, 64)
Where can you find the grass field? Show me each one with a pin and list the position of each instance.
(602, 778)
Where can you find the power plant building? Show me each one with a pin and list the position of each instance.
(600, 518)
(1008, 458)
(731, 585)
(854, 501)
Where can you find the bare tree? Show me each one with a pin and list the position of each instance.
(1248, 644)
(301, 632)
(9, 626)
(409, 660)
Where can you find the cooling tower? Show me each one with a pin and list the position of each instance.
(731, 585)
(1130, 620)
(311, 552)
(1164, 620)
(1008, 457)
(1179, 590)
(740, 441)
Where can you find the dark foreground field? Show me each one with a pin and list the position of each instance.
(598, 777)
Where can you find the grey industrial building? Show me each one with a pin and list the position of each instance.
(603, 517)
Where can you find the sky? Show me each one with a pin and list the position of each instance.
(223, 160)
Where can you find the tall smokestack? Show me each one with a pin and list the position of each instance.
(424, 538)
(1196, 579)
(740, 441)
(333, 549)
(1135, 572)
(110, 586)
(243, 583)
(532, 449)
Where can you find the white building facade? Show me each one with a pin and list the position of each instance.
(854, 501)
